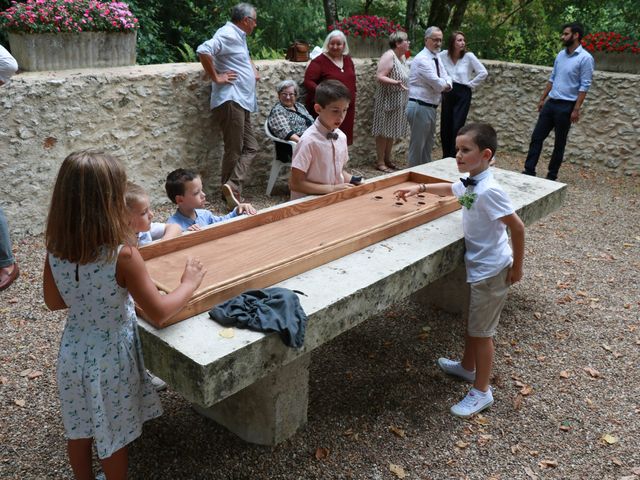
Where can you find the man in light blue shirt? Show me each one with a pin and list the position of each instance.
(427, 80)
(567, 87)
(226, 60)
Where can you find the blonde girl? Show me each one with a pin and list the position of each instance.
(105, 395)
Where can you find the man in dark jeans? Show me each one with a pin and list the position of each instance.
(567, 87)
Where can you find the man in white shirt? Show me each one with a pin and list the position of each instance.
(8, 65)
(427, 80)
(233, 96)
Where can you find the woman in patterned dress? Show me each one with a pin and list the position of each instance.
(392, 94)
(105, 394)
(334, 63)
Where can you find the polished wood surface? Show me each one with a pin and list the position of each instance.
(258, 251)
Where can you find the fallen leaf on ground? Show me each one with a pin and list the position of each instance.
(462, 445)
(592, 372)
(530, 473)
(606, 347)
(4, 380)
(20, 402)
(534, 453)
(610, 439)
(517, 402)
(565, 426)
(617, 461)
(397, 431)
(34, 374)
(484, 439)
(515, 448)
(538, 315)
(227, 333)
(24, 373)
(548, 464)
(526, 390)
(481, 420)
(397, 470)
(564, 374)
(321, 453)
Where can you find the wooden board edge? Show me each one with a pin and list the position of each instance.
(204, 302)
(223, 229)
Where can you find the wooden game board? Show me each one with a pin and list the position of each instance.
(261, 250)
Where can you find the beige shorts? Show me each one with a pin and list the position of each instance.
(486, 300)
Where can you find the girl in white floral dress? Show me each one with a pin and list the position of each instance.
(105, 394)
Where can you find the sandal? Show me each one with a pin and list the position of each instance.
(384, 168)
(392, 166)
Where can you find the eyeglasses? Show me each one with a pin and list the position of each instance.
(287, 95)
(253, 19)
(435, 40)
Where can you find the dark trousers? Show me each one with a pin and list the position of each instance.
(555, 115)
(455, 107)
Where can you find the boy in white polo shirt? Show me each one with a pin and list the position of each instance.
(492, 265)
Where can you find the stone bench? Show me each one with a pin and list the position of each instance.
(256, 386)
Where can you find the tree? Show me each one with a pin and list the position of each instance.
(447, 14)
(330, 11)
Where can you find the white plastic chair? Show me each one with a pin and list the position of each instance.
(279, 161)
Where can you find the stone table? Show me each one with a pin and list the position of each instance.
(256, 386)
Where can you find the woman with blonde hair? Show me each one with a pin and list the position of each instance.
(392, 94)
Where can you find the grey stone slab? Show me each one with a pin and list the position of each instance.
(207, 368)
(269, 411)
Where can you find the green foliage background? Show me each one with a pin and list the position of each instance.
(524, 31)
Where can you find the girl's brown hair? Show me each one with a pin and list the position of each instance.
(451, 46)
(88, 216)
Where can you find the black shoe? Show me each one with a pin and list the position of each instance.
(551, 177)
(527, 172)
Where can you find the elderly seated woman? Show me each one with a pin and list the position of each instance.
(288, 119)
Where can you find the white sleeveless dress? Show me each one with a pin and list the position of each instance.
(104, 390)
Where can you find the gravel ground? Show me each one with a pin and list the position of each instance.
(567, 374)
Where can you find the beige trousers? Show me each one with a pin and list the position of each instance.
(240, 145)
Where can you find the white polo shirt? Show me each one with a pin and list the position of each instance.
(488, 251)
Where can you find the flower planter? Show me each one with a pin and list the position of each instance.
(624, 62)
(61, 51)
(367, 47)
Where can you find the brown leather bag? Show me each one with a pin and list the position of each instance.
(298, 52)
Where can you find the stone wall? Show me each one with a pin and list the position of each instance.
(156, 118)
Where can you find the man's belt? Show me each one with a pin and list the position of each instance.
(424, 104)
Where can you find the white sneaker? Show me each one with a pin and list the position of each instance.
(455, 368)
(475, 402)
(157, 382)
